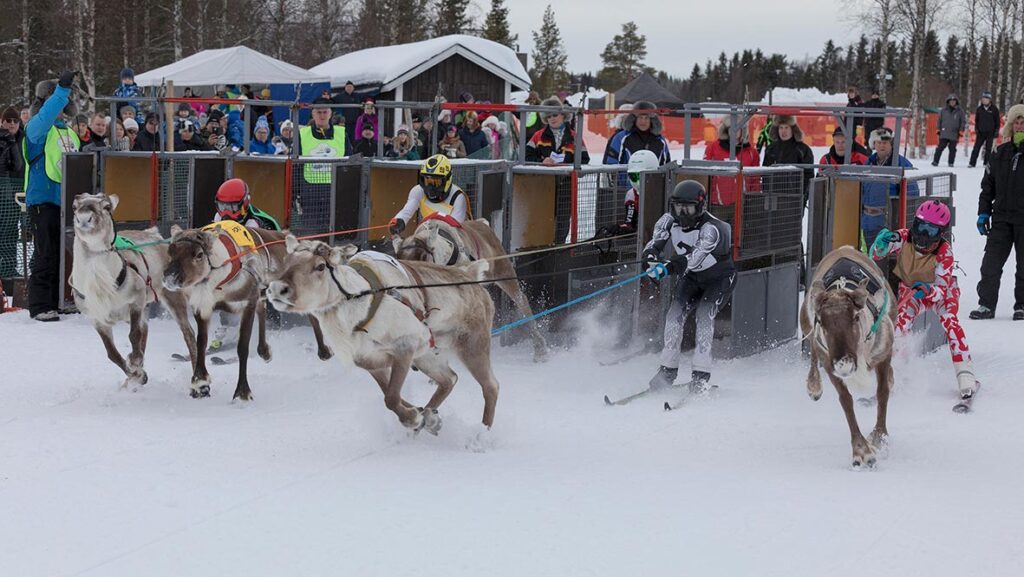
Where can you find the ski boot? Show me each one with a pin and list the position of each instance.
(966, 382)
(222, 339)
(983, 312)
(699, 382)
(1018, 313)
(664, 378)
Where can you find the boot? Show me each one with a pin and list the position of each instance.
(1018, 313)
(983, 312)
(222, 339)
(699, 382)
(965, 379)
(664, 378)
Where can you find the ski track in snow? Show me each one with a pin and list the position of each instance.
(316, 477)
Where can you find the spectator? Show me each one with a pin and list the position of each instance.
(321, 138)
(952, 122)
(234, 128)
(186, 139)
(351, 114)
(125, 112)
(149, 139)
(460, 117)
(260, 143)
(490, 129)
(614, 146)
(986, 125)
(198, 107)
(788, 147)
(287, 136)
(874, 196)
(556, 144)
(723, 188)
(874, 123)
(131, 130)
(472, 137)
(534, 120)
(26, 115)
(47, 139)
(421, 132)
(642, 128)
(12, 164)
(403, 146)
(854, 101)
(444, 120)
(451, 145)
(836, 155)
(12, 178)
(367, 144)
(81, 126)
(186, 112)
(128, 89)
(120, 141)
(368, 117)
(1001, 218)
(97, 133)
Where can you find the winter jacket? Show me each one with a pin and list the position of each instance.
(613, 148)
(12, 165)
(636, 139)
(236, 130)
(542, 145)
(792, 151)
(1002, 187)
(147, 142)
(854, 102)
(350, 114)
(257, 147)
(448, 144)
(723, 188)
(872, 124)
(874, 196)
(952, 122)
(196, 143)
(831, 157)
(128, 91)
(40, 189)
(986, 119)
(364, 119)
(365, 146)
(474, 141)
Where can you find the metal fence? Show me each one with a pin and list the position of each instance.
(312, 190)
(15, 252)
(771, 214)
(174, 189)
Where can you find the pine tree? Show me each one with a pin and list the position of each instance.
(451, 17)
(623, 58)
(496, 25)
(549, 72)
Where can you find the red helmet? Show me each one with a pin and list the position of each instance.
(233, 199)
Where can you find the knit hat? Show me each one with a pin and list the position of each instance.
(261, 122)
(10, 113)
(265, 94)
(130, 124)
(287, 124)
(127, 73)
(986, 94)
(126, 108)
(186, 125)
(185, 106)
(1016, 111)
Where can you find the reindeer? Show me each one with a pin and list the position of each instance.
(111, 285)
(849, 315)
(443, 240)
(386, 330)
(214, 272)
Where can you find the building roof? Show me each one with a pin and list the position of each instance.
(645, 87)
(390, 66)
(236, 65)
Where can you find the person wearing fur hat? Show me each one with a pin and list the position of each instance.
(723, 189)
(47, 139)
(1001, 217)
(642, 128)
(952, 122)
(788, 147)
(986, 125)
(613, 147)
(875, 196)
(556, 144)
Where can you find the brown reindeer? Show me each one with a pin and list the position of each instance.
(111, 285)
(216, 270)
(386, 331)
(849, 314)
(448, 242)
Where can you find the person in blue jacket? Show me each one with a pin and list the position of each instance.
(874, 196)
(260, 143)
(47, 138)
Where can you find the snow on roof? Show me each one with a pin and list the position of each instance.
(391, 66)
(236, 65)
(574, 99)
(783, 96)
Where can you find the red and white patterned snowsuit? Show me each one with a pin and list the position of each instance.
(944, 298)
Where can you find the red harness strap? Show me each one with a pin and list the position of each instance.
(447, 218)
(236, 266)
(147, 277)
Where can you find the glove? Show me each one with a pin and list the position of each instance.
(67, 78)
(921, 290)
(984, 224)
(880, 248)
(651, 255)
(396, 226)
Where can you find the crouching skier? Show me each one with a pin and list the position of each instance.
(924, 265)
(702, 255)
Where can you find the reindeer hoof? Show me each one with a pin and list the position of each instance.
(264, 353)
(417, 422)
(325, 353)
(431, 421)
(200, 392)
(243, 395)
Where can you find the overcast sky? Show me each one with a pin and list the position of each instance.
(682, 32)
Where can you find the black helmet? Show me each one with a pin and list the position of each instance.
(687, 203)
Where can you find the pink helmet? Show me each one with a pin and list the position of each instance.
(934, 212)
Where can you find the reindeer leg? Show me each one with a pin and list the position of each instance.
(200, 376)
(262, 347)
(137, 334)
(475, 353)
(107, 336)
(514, 292)
(862, 453)
(442, 375)
(322, 350)
(814, 376)
(179, 310)
(409, 416)
(382, 376)
(242, 390)
(880, 435)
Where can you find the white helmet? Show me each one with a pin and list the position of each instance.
(641, 161)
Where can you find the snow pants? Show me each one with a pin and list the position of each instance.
(943, 143)
(982, 141)
(44, 284)
(707, 298)
(1002, 239)
(946, 306)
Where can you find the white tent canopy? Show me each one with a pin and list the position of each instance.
(391, 66)
(237, 65)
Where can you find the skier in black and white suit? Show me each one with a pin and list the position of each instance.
(702, 254)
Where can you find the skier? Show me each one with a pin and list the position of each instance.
(435, 193)
(702, 246)
(925, 270)
(639, 162)
(234, 203)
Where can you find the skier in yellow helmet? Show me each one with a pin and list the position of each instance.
(435, 193)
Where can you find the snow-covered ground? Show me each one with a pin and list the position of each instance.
(315, 477)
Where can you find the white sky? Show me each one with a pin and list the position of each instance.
(682, 32)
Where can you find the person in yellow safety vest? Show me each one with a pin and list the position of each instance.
(321, 138)
(435, 193)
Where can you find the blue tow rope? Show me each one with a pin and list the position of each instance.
(574, 301)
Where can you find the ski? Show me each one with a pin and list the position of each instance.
(622, 359)
(692, 388)
(221, 361)
(630, 398)
(180, 357)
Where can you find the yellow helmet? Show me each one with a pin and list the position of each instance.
(436, 177)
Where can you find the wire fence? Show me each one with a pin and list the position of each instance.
(772, 214)
(175, 176)
(311, 197)
(15, 252)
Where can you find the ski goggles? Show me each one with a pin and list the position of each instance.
(926, 230)
(231, 210)
(432, 181)
(634, 177)
(684, 209)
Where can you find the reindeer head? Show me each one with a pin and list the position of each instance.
(842, 322)
(190, 258)
(94, 218)
(309, 280)
(429, 244)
